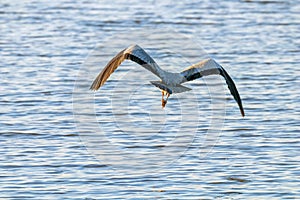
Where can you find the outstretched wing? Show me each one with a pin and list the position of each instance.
(211, 67)
(134, 53)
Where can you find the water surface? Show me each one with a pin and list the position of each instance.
(44, 55)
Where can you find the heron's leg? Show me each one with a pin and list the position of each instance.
(163, 102)
(168, 94)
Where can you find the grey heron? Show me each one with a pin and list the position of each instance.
(170, 82)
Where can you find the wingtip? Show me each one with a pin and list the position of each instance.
(243, 113)
(95, 86)
(93, 89)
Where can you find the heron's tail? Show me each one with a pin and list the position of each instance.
(170, 89)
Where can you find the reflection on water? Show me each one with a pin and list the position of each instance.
(60, 140)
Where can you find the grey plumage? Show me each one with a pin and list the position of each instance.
(170, 82)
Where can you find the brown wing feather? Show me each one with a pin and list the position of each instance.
(134, 53)
(108, 70)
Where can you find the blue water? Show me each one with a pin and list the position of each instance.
(61, 141)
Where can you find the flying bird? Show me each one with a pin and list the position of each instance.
(170, 82)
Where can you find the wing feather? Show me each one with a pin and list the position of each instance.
(210, 67)
(134, 53)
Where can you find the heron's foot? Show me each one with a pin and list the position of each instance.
(164, 101)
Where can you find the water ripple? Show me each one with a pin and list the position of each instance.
(44, 44)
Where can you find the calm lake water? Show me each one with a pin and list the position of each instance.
(61, 141)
